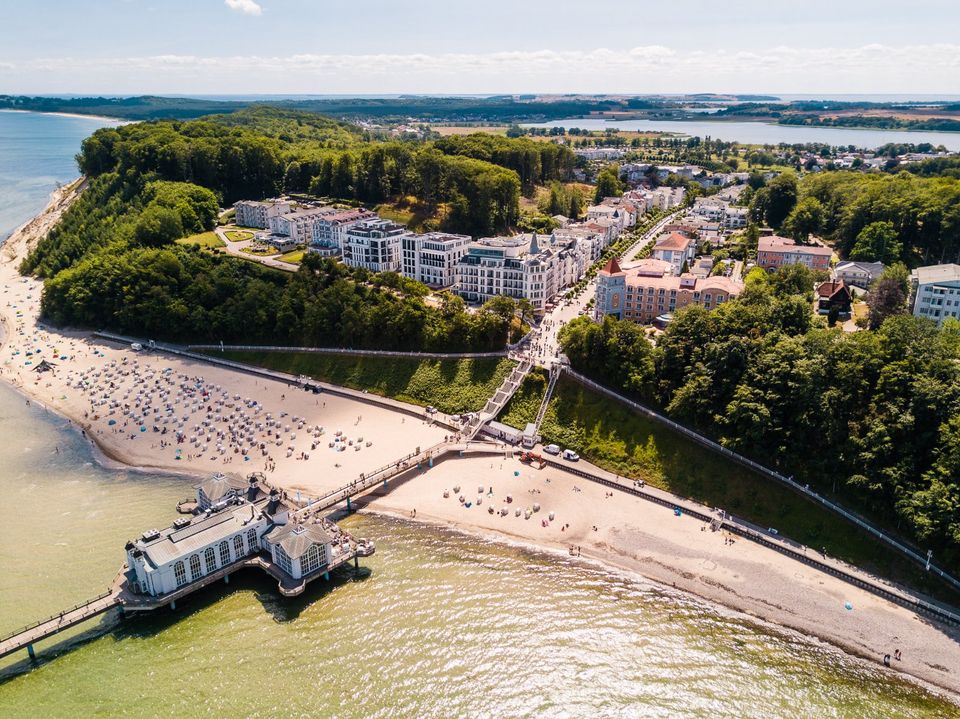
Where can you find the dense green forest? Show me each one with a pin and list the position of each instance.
(919, 212)
(113, 262)
(873, 416)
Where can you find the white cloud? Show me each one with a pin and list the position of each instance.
(648, 69)
(247, 7)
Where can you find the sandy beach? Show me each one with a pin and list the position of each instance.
(155, 410)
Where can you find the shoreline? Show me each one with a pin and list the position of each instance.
(79, 115)
(607, 565)
(643, 541)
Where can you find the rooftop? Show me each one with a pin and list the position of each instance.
(936, 273)
(296, 538)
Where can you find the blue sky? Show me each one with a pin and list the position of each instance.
(389, 46)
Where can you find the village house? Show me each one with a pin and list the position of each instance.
(858, 274)
(834, 296)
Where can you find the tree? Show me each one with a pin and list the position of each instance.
(776, 200)
(608, 184)
(806, 219)
(158, 226)
(888, 295)
(877, 242)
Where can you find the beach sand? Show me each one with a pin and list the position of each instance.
(95, 383)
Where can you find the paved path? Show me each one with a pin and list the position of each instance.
(234, 249)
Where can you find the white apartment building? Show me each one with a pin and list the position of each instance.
(432, 258)
(520, 267)
(936, 292)
(675, 249)
(330, 231)
(374, 245)
(590, 241)
(251, 213)
(298, 225)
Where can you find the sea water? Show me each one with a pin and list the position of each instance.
(437, 624)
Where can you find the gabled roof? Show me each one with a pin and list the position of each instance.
(832, 288)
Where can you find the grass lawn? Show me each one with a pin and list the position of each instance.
(294, 258)
(454, 385)
(611, 436)
(238, 235)
(260, 251)
(206, 240)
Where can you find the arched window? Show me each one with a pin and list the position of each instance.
(180, 573)
(224, 553)
(195, 573)
(252, 540)
(311, 561)
(238, 545)
(210, 560)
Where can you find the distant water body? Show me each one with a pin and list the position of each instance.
(36, 152)
(763, 133)
(442, 626)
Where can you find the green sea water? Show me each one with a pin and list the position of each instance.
(438, 624)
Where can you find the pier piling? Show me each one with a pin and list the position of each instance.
(30, 651)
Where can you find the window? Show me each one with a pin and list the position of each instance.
(283, 559)
(224, 553)
(252, 540)
(312, 560)
(195, 572)
(210, 560)
(238, 545)
(180, 574)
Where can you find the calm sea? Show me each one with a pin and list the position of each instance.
(440, 625)
(36, 152)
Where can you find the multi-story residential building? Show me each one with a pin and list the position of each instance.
(676, 249)
(709, 208)
(736, 218)
(252, 213)
(519, 267)
(775, 251)
(374, 245)
(936, 292)
(329, 231)
(858, 274)
(432, 258)
(643, 296)
(298, 225)
(590, 241)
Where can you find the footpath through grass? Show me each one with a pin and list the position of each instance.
(613, 437)
(450, 385)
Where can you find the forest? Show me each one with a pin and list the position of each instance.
(872, 416)
(112, 261)
(911, 217)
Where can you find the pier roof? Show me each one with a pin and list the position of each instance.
(297, 538)
(175, 543)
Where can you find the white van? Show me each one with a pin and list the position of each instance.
(552, 449)
(570, 455)
(136, 346)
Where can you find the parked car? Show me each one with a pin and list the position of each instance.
(552, 449)
(431, 409)
(454, 417)
(136, 346)
(570, 455)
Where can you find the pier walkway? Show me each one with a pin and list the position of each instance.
(27, 636)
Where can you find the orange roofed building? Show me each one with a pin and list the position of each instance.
(640, 295)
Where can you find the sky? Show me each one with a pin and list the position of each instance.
(223, 47)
